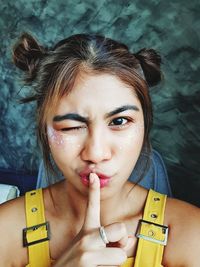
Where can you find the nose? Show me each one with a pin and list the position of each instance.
(96, 148)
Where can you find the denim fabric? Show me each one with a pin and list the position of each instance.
(156, 177)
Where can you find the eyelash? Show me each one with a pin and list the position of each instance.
(128, 120)
(72, 128)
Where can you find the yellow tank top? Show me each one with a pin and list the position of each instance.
(151, 232)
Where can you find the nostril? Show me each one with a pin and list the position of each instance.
(95, 151)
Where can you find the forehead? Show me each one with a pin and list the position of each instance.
(98, 92)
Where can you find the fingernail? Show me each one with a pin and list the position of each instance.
(91, 178)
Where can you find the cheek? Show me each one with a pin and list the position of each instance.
(61, 142)
(133, 139)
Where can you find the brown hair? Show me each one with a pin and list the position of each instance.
(52, 73)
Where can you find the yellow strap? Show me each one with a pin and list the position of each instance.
(149, 254)
(38, 253)
(128, 263)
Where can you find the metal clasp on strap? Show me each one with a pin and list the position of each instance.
(152, 231)
(34, 228)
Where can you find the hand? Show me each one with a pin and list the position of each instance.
(88, 248)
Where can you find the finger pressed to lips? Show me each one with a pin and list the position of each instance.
(94, 181)
(92, 219)
(115, 232)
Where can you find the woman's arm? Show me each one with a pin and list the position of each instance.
(183, 247)
(12, 221)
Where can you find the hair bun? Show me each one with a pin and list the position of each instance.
(27, 53)
(150, 62)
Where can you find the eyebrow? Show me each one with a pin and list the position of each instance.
(70, 116)
(77, 117)
(121, 109)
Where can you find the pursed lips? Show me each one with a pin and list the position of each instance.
(100, 175)
(104, 179)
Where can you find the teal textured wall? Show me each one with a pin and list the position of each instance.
(171, 27)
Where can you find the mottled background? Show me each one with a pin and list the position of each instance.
(171, 27)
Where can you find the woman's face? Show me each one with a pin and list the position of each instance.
(99, 128)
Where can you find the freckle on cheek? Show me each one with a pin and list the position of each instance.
(132, 137)
(57, 139)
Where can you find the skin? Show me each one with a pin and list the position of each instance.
(77, 146)
(87, 148)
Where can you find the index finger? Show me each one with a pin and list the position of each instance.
(92, 218)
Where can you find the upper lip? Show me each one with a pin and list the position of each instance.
(86, 172)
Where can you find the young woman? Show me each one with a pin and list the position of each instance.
(93, 118)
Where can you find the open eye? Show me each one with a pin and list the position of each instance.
(120, 122)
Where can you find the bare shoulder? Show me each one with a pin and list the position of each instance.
(12, 221)
(183, 246)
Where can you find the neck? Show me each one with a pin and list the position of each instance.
(76, 204)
